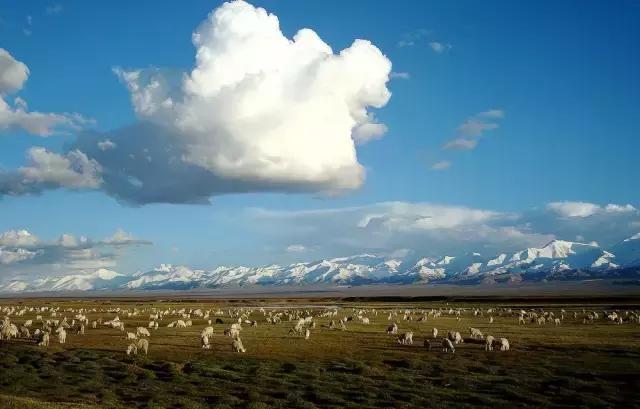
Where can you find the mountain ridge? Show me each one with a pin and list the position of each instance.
(557, 260)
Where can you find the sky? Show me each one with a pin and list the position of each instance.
(206, 134)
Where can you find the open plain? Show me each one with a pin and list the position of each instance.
(583, 353)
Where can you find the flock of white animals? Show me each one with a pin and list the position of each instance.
(58, 322)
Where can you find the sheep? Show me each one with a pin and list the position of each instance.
(475, 333)
(491, 319)
(556, 321)
(392, 329)
(131, 336)
(204, 341)
(504, 344)
(44, 341)
(62, 335)
(142, 332)
(434, 332)
(447, 346)
(455, 337)
(144, 345)
(237, 346)
(489, 343)
(307, 333)
(406, 338)
(208, 331)
(365, 321)
(132, 349)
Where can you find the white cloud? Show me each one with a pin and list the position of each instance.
(123, 238)
(23, 253)
(10, 256)
(442, 165)
(262, 108)
(412, 38)
(473, 128)
(614, 208)
(13, 75)
(586, 209)
(54, 9)
(106, 145)
(461, 144)
(439, 47)
(73, 170)
(18, 238)
(384, 227)
(492, 114)
(296, 248)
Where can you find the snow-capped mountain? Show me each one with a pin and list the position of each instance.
(558, 260)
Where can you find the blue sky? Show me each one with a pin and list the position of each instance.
(563, 77)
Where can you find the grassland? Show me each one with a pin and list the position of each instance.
(571, 365)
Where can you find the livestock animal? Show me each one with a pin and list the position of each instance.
(237, 346)
(447, 346)
(143, 344)
(475, 333)
(406, 338)
(489, 343)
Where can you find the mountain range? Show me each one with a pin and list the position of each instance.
(558, 260)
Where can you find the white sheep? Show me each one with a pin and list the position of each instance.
(392, 329)
(489, 343)
(475, 333)
(62, 335)
(504, 344)
(142, 332)
(208, 331)
(406, 338)
(143, 344)
(455, 337)
(204, 341)
(237, 345)
(434, 332)
(131, 336)
(447, 346)
(132, 349)
(44, 341)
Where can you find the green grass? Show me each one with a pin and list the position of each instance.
(573, 365)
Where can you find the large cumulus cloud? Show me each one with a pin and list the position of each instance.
(258, 112)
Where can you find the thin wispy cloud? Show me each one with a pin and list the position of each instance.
(469, 132)
(54, 9)
(439, 48)
(441, 165)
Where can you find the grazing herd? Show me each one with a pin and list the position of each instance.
(41, 324)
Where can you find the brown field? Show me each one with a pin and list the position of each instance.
(570, 365)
